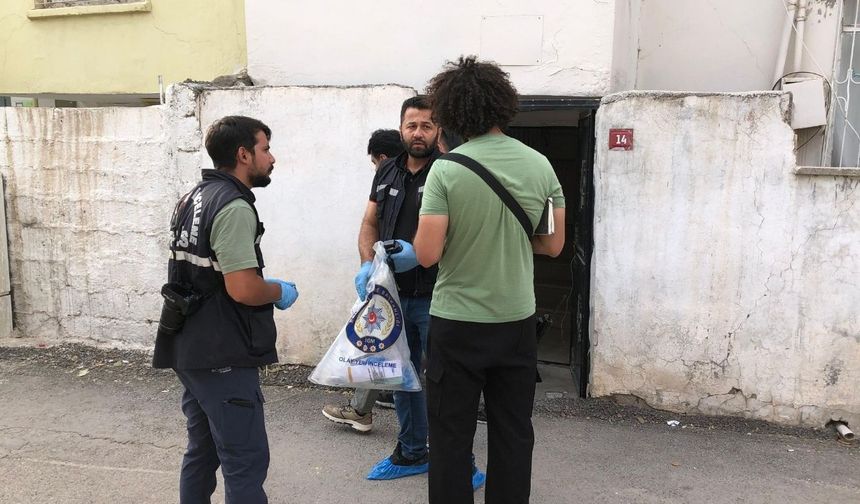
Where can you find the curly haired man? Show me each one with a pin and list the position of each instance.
(482, 329)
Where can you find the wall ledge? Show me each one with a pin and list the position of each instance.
(90, 10)
(674, 95)
(828, 171)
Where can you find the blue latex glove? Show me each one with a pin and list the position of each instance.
(289, 293)
(362, 278)
(404, 260)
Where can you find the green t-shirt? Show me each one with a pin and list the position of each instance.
(486, 273)
(234, 232)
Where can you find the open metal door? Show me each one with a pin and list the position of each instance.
(583, 240)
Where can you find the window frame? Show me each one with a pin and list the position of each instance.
(88, 10)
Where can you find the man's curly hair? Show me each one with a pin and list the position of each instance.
(469, 97)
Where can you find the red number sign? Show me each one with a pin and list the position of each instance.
(621, 139)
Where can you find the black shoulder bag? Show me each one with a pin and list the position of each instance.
(504, 195)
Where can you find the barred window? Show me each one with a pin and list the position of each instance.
(49, 4)
(845, 135)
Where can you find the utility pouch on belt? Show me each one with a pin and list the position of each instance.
(179, 302)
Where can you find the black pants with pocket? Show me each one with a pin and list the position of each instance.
(226, 428)
(465, 358)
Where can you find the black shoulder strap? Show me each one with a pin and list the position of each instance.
(496, 186)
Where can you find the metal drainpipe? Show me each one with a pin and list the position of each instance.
(779, 71)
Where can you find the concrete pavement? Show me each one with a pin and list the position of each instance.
(115, 434)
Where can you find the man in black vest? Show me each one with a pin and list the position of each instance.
(392, 214)
(217, 324)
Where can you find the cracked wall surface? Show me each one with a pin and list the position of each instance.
(723, 283)
(574, 46)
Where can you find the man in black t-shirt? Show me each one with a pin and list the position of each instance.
(392, 214)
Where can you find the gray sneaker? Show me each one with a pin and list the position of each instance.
(348, 415)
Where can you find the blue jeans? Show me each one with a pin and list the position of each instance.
(411, 407)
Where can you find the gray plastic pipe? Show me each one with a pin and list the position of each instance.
(798, 37)
(779, 71)
(843, 431)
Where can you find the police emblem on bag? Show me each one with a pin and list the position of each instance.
(378, 324)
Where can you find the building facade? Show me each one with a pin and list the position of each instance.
(100, 52)
(711, 254)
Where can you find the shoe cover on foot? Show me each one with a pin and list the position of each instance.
(385, 470)
(478, 479)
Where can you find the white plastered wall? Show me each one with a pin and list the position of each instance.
(730, 45)
(90, 192)
(342, 42)
(722, 282)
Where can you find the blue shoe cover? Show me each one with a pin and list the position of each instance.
(385, 470)
(478, 479)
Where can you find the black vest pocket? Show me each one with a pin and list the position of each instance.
(261, 329)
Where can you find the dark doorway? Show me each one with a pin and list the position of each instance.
(563, 131)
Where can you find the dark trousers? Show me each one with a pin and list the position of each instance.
(226, 428)
(464, 359)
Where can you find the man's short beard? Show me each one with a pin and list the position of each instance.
(420, 153)
(261, 181)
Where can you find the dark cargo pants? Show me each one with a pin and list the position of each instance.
(226, 428)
